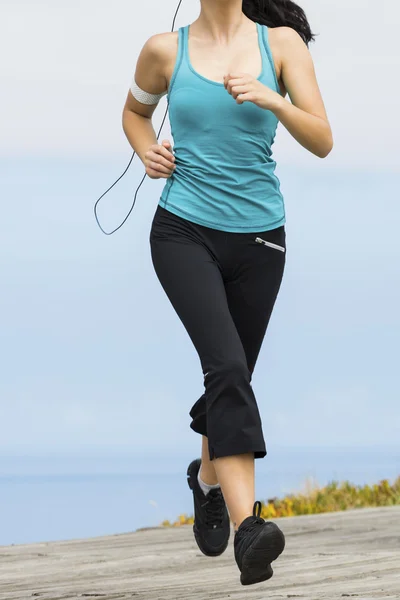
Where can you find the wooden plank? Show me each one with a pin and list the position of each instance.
(352, 554)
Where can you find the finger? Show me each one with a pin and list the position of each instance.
(166, 154)
(239, 89)
(237, 81)
(159, 150)
(166, 144)
(234, 83)
(167, 162)
(237, 75)
(156, 166)
(244, 98)
(156, 174)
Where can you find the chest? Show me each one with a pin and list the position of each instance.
(212, 63)
(215, 62)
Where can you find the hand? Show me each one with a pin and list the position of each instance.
(159, 161)
(246, 88)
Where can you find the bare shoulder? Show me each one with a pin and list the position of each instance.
(285, 35)
(162, 46)
(152, 69)
(288, 47)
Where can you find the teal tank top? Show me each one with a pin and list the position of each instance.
(225, 174)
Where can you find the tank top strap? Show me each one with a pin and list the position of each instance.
(267, 50)
(185, 41)
(185, 48)
(179, 57)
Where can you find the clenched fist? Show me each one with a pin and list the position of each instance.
(159, 161)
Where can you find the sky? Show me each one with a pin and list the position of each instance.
(93, 356)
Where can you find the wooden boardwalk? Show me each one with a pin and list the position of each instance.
(339, 555)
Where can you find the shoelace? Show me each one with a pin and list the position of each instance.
(215, 508)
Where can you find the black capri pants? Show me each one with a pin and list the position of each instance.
(223, 287)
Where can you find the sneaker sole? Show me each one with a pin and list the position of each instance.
(205, 551)
(256, 564)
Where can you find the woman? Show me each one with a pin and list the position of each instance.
(218, 233)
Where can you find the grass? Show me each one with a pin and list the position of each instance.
(333, 497)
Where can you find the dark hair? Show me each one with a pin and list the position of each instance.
(279, 13)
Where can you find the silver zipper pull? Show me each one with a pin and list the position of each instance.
(270, 244)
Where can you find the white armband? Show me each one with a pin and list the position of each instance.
(144, 97)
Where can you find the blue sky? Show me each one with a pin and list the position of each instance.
(93, 357)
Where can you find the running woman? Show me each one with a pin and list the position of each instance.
(218, 241)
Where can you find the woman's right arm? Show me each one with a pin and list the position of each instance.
(136, 117)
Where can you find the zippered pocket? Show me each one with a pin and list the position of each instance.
(270, 244)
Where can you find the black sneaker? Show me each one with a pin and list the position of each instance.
(211, 519)
(257, 544)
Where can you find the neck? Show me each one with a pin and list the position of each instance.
(221, 20)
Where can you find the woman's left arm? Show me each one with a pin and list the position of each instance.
(304, 117)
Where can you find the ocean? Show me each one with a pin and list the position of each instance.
(49, 498)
